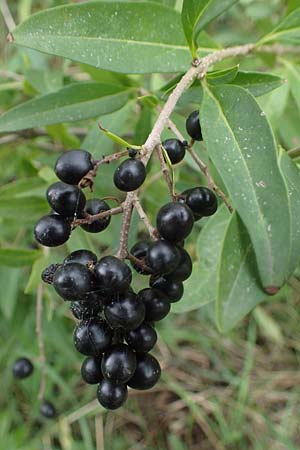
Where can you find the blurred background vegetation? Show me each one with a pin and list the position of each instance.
(236, 391)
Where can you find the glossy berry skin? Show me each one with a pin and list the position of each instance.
(182, 199)
(112, 274)
(91, 370)
(52, 230)
(110, 395)
(162, 257)
(175, 150)
(147, 372)
(130, 175)
(202, 201)
(193, 126)
(22, 368)
(73, 281)
(184, 269)
(96, 206)
(84, 257)
(85, 310)
(156, 303)
(125, 311)
(66, 200)
(173, 289)
(118, 364)
(140, 250)
(142, 339)
(174, 221)
(48, 410)
(92, 337)
(73, 165)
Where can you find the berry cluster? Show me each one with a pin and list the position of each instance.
(116, 329)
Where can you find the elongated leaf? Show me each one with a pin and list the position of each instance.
(288, 29)
(122, 37)
(291, 176)
(201, 287)
(73, 102)
(239, 288)
(18, 257)
(31, 208)
(9, 278)
(241, 145)
(222, 76)
(258, 83)
(293, 74)
(196, 14)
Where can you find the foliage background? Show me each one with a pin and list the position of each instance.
(239, 390)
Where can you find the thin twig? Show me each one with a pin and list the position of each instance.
(88, 219)
(127, 214)
(165, 171)
(294, 152)
(171, 125)
(7, 17)
(39, 333)
(145, 219)
(110, 158)
(99, 432)
(138, 262)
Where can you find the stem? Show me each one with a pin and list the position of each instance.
(7, 16)
(165, 172)
(39, 333)
(88, 219)
(143, 216)
(294, 152)
(110, 158)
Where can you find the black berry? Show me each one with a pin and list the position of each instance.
(65, 199)
(174, 221)
(147, 372)
(202, 201)
(112, 274)
(125, 311)
(95, 206)
(91, 370)
(139, 250)
(118, 363)
(173, 289)
(22, 368)
(73, 281)
(84, 257)
(130, 175)
(193, 126)
(86, 309)
(162, 257)
(156, 303)
(52, 230)
(184, 268)
(142, 339)
(48, 410)
(110, 395)
(92, 337)
(175, 150)
(73, 165)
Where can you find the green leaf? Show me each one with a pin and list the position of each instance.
(201, 287)
(117, 139)
(196, 14)
(73, 102)
(293, 74)
(10, 278)
(241, 145)
(222, 76)
(18, 208)
(239, 288)
(18, 257)
(291, 176)
(288, 30)
(258, 83)
(121, 37)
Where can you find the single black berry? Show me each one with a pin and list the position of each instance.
(162, 257)
(73, 165)
(130, 175)
(175, 150)
(96, 206)
(173, 289)
(139, 250)
(84, 257)
(110, 395)
(22, 368)
(112, 274)
(118, 363)
(147, 372)
(48, 410)
(125, 311)
(156, 303)
(142, 339)
(91, 370)
(184, 268)
(202, 201)
(182, 199)
(65, 199)
(73, 281)
(52, 230)
(86, 309)
(193, 126)
(92, 337)
(174, 221)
